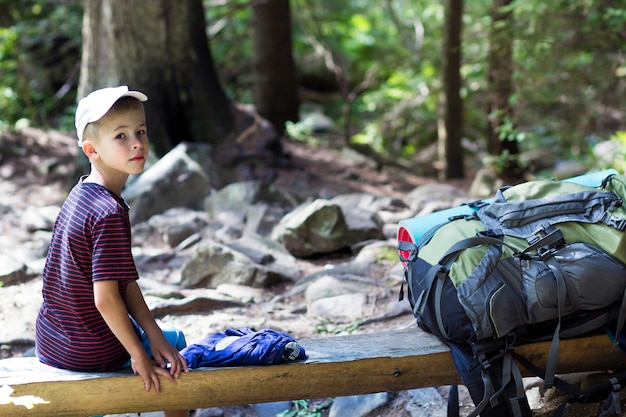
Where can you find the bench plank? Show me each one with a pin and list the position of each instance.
(336, 366)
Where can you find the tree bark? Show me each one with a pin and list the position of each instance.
(500, 77)
(275, 84)
(451, 122)
(159, 47)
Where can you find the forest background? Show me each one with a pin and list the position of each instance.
(394, 76)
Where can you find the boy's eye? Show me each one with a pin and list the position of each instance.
(120, 136)
(141, 132)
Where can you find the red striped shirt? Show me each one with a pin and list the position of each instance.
(90, 242)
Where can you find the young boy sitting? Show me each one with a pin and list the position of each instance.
(93, 314)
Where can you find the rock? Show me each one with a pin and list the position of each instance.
(377, 253)
(328, 286)
(214, 263)
(609, 152)
(537, 159)
(568, 169)
(40, 218)
(439, 196)
(207, 412)
(271, 409)
(368, 202)
(193, 304)
(339, 308)
(326, 226)
(13, 271)
(18, 311)
(175, 180)
(424, 162)
(261, 219)
(390, 230)
(426, 402)
(237, 196)
(358, 405)
(242, 293)
(361, 214)
(269, 253)
(396, 272)
(313, 228)
(394, 216)
(177, 224)
(485, 184)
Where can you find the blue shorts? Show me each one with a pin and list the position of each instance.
(173, 335)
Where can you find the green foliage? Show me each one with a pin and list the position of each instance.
(304, 408)
(500, 163)
(39, 57)
(381, 63)
(570, 79)
(303, 131)
(507, 131)
(386, 254)
(383, 52)
(8, 96)
(230, 23)
(610, 153)
(330, 327)
(569, 71)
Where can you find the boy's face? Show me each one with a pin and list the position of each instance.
(119, 142)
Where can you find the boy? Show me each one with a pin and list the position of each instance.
(93, 310)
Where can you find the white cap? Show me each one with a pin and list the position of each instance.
(94, 106)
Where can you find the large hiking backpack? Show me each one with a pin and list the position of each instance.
(544, 260)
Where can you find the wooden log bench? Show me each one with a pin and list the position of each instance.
(386, 361)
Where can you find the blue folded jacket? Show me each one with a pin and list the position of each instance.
(237, 347)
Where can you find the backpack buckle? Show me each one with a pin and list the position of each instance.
(617, 223)
(484, 362)
(476, 204)
(546, 252)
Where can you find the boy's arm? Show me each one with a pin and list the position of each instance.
(162, 350)
(112, 308)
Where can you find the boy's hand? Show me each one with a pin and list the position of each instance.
(164, 352)
(149, 372)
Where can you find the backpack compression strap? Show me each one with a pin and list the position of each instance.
(518, 404)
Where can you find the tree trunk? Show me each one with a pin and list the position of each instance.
(159, 47)
(500, 77)
(451, 122)
(275, 85)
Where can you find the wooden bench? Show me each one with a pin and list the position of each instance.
(336, 366)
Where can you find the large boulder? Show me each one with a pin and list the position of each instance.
(237, 196)
(181, 178)
(214, 263)
(13, 271)
(327, 226)
(313, 228)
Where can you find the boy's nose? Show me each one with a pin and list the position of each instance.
(137, 142)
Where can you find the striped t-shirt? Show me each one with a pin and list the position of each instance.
(90, 242)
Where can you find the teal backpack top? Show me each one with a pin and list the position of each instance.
(543, 260)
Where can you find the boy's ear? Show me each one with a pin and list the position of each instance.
(89, 149)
